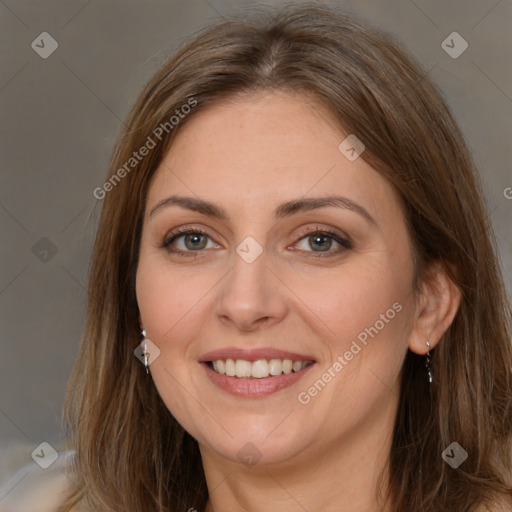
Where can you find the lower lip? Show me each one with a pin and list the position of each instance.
(254, 388)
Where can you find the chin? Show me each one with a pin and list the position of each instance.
(270, 441)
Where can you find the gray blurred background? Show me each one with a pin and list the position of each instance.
(62, 114)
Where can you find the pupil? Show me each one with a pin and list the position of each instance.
(195, 240)
(317, 238)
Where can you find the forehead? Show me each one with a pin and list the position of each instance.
(262, 149)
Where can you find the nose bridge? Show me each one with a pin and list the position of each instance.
(248, 296)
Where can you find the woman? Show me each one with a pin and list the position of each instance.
(294, 246)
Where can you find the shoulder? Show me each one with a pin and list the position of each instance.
(35, 489)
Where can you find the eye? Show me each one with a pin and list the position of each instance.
(323, 240)
(187, 240)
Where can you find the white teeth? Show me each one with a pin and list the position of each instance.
(243, 368)
(230, 368)
(275, 367)
(260, 369)
(297, 366)
(257, 369)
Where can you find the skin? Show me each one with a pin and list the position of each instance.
(249, 155)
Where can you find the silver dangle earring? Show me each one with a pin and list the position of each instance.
(428, 364)
(146, 354)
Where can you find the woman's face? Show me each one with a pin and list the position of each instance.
(274, 276)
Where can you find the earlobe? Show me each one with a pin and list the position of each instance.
(436, 308)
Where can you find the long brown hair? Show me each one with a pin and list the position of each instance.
(131, 454)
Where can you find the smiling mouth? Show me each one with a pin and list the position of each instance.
(259, 369)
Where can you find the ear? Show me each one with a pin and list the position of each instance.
(140, 322)
(436, 307)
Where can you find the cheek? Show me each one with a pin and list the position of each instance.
(166, 299)
(363, 313)
(170, 308)
(358, 296)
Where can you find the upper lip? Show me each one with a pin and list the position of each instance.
(252, 354)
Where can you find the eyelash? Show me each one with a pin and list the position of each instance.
(345, 243)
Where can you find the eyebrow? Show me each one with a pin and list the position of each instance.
(284, 210)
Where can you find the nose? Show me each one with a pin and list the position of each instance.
(251, 296)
